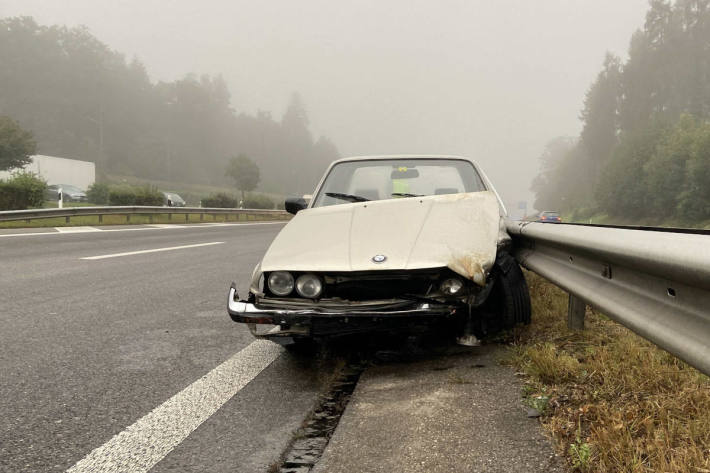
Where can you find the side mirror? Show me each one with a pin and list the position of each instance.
(295, 204)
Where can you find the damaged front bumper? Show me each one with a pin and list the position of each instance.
(307, 318)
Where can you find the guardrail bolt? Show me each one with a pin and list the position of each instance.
(575, 313)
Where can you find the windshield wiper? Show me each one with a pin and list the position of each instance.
(348, 197)
(404, 194)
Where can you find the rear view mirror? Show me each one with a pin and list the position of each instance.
(404, 173)
(295, 204)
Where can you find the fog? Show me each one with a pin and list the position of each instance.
(494, 80)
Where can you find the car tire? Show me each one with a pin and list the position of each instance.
(509, 301)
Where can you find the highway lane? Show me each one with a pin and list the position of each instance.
(89, 347)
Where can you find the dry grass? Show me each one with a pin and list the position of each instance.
(616, 402)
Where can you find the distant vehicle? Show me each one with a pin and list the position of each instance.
(69, 193)
(171, 199)
(548, 216)
(389, 243)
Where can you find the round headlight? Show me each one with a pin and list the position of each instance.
(281, 283)
(309, 286)
(451, 286)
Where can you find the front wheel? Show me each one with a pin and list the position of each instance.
(508, 304)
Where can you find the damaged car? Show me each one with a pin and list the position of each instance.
(389, 243)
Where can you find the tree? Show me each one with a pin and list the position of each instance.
(547, 185)
(600, 117)
(98, 106)
(16, 145)
(245, 173)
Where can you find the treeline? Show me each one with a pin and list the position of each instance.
(644, 149)
(83, 100)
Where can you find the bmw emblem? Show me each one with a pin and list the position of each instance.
(379, 258)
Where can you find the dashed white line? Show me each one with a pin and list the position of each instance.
(76, 229)
(140, 446)
(153, 250)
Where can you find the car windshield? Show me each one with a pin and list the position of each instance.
(68, 188)
(550, 214)
(357, 181)
(172, 196)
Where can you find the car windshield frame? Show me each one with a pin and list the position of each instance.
(316, 202)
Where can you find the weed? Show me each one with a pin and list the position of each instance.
(580, 454)
(539, 403)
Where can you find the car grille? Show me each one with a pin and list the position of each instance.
(385, 285)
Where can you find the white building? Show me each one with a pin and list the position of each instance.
(56, 170)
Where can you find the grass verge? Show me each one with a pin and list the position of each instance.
(93, 220)
(612, 401)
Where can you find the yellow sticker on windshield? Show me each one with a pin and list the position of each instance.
(402, 169)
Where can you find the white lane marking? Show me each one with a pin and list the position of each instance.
(194, 225)
(77, 229)
(154, 250)
(165, 225)
(140, 446)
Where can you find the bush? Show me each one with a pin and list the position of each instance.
(22, 191)
(98, 194)
(133, 195)
(122, 195)
(258, 201)
(221, 200)
(149, 195)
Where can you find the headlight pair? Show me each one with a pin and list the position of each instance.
(281, 283)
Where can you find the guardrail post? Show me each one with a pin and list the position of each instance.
(187, 217)
(101, 218)
(575, 313)
(67, 219)
(202, 217)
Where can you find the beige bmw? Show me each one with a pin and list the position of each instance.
(388, 243)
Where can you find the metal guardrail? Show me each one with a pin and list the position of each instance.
(68, 212)
(656, 283)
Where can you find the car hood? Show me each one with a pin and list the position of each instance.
(459, 231)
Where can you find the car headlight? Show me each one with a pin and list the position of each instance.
(309, 286)
(280, 283)
(451, 286)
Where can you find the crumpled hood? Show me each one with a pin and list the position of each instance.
(459, 231)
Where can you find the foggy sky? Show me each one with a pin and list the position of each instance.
(494, 79)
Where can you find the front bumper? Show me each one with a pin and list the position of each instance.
(306, 314)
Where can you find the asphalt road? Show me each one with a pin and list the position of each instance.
(92, 347)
